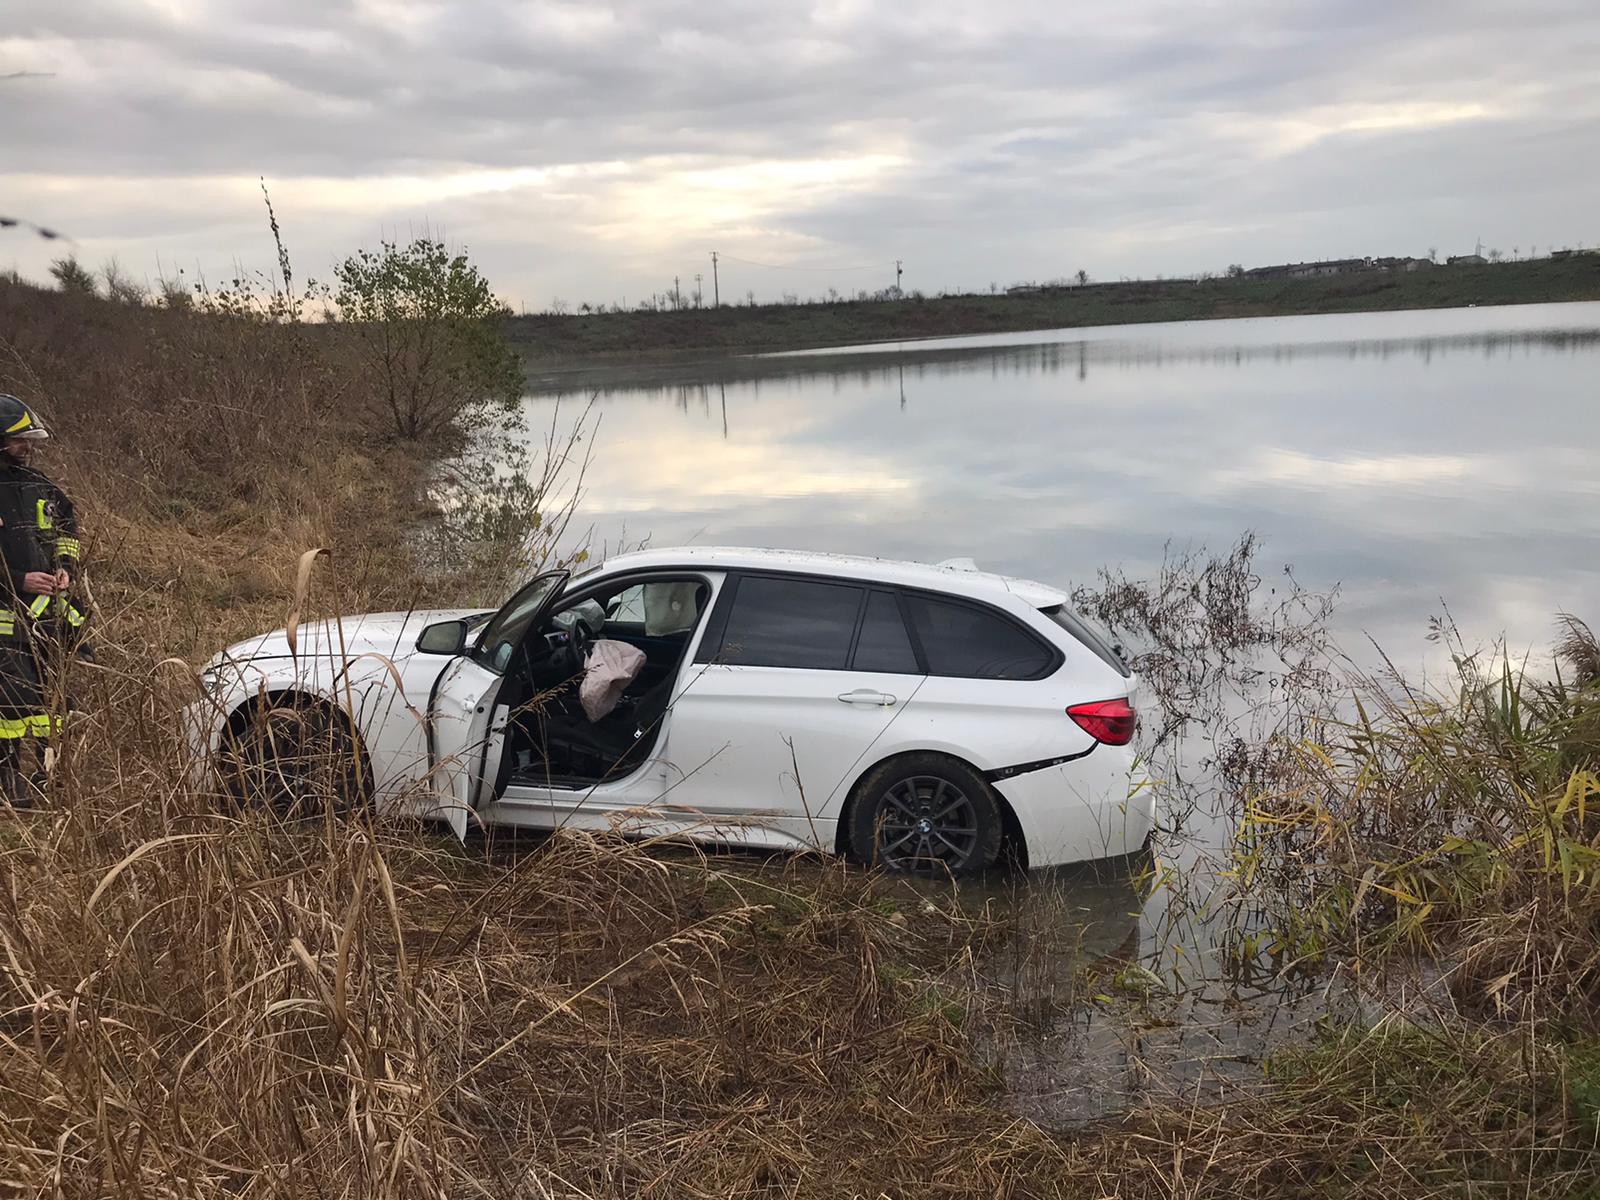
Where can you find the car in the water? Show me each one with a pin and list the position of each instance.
(921, 717)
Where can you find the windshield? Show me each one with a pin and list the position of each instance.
(510, 625)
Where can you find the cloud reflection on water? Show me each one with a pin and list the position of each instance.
(1413, 458)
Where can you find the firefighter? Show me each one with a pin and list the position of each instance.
(40, 625)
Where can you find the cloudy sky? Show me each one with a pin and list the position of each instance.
(590, 151)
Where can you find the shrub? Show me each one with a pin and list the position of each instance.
(73, 276)
(427, 328)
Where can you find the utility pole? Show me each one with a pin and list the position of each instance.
(716, 291)
(697, 289)
(677, 294)
(897, 266)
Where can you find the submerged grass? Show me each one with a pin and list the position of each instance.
(1462, 828)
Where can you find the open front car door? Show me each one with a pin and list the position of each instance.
(466, 726)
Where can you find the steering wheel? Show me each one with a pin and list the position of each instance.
(581, 638)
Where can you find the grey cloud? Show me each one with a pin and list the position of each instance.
(1030, 132)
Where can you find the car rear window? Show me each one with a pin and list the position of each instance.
(1089, 636)
(884, 644)
(973, 643)
(791, 623)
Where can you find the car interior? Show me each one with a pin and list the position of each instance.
(550, 739)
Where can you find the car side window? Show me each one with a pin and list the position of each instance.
(971, 643)
(884, 644)
(790, 623)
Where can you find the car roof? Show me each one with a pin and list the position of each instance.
(957, 577)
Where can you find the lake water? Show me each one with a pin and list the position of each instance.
(1413, 459)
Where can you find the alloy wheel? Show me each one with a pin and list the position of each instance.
(926, 823)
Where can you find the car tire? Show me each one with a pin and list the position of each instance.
(925, 814)
(297, 758)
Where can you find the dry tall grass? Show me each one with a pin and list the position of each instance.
(206, 451)
(200, 1003)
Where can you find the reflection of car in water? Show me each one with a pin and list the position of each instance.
(918, 716)
(1072, 915)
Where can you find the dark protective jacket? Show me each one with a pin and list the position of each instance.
(38, 532)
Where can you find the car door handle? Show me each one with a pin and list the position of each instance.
(867, 696)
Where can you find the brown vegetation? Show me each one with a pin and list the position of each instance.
(1461, 829)
(206, 451)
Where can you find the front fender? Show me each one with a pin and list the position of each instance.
(384, 703)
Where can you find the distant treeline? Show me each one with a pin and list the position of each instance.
(750, 328)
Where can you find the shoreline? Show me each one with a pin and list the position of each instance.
(550, 343)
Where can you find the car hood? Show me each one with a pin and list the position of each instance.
(390, 634)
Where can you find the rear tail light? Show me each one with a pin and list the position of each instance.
(1108, 721)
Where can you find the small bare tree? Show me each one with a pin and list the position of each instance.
(120, 286)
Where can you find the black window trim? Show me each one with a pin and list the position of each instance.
(710, 648)
(887, 589)
(911, 631)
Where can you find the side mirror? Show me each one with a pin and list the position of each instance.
(443, 637)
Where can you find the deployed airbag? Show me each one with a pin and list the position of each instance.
(670, 608)
(607, 672)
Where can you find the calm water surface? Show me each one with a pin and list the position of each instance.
(1414, 459)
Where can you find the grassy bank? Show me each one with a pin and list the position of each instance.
(200, 1002)
(205, 452)
(549, 340)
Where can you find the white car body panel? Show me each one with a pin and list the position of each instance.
(464, 715)
(722, 767)
(385, 689)
(777, 745)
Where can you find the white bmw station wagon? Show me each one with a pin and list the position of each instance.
(927, 718)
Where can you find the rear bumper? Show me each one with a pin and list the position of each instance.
(1099, 806)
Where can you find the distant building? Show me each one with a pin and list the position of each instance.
(1024, 289)
(1310, 270)
(1467, 260)
(1417, 264)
